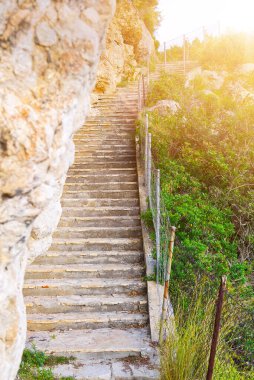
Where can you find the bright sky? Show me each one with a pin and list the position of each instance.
(183, 16)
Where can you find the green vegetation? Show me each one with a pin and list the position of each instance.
(35, 365)
(205, 152)
(185, 355)
(149, 13)
(224, 52)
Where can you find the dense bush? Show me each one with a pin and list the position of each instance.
(205, 152)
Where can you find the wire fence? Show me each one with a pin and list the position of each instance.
(161, 221)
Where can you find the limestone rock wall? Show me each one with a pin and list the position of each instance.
(128, 45)
(49, 52)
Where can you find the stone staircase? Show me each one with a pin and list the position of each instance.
(87, 297)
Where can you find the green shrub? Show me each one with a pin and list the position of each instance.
(205, 152)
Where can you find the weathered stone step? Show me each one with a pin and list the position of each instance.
(91, 286)
(83, 150)
(106, 127)
(129, 164)
(100, 211)
(100, 221)
(50, 271)
(93, 344)
(104, 194)
(103, 178)
(102, 148)
(97, 232)
(60, 321)
(97, 244)
(142, 369)
(90, 257)
(107, 161)
(101, 186)
(66, 304)
(82, 153)
(102, 171)
(131, 202)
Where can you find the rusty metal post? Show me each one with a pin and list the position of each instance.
(167, 279)
(216, 329)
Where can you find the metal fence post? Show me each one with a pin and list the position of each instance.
(166, 285)
(149, 164)
(157, 229)
(146, 146)
(216, 329)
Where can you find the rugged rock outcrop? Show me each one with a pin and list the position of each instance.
(128, 44)
(165, 106)
(49, 51)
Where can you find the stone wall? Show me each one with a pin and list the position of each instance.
(49, 51)
(128, 45)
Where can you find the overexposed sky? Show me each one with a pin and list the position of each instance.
(183, 16)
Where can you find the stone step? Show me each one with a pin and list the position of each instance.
(131, 202)
(103, 178)
(97, 232)
(101, 171)
(100, 186)
(98, 156)
(105, 149)
(92, 344)
(90, 139)
(107, 128)
(97, 244)
(100, 221)
(91, 286)
(84, 271)
(104, 194)
(100, 211)
(66, 304)
(126, 161)
(82, 320)
(100, 112)
(82, 154)
(127, 164)
(84, 151)
(131, 368)
(91, 257)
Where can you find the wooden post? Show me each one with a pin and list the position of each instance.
(216, 329)
(149, 159)
(166, 285)
(157, 229)
(146, 147)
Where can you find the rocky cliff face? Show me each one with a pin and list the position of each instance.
(128, 44)
(49, 51)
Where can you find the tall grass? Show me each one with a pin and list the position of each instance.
(185, 355)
